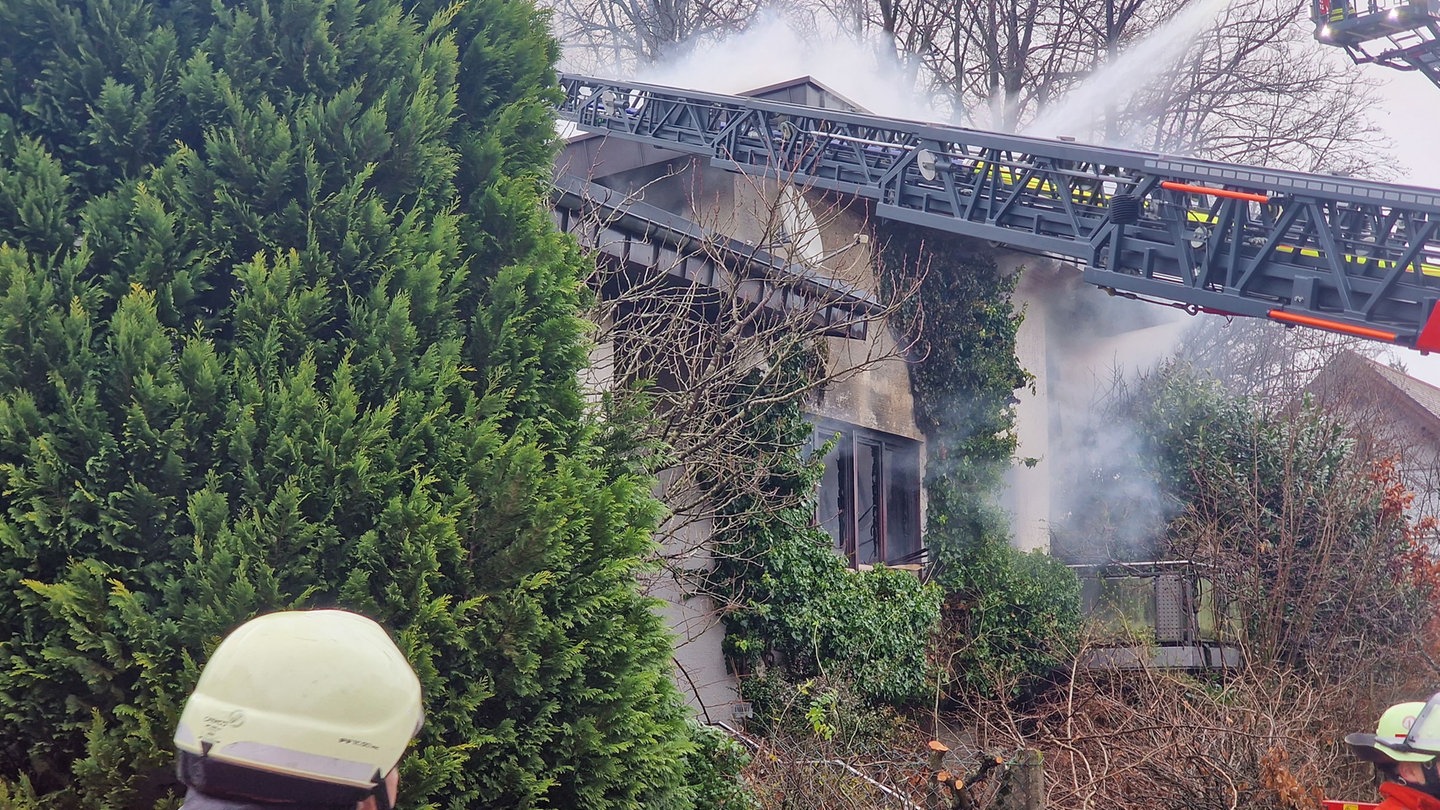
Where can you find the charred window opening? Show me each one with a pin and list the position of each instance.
(869, 496)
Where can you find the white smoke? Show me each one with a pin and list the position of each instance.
(1088, 342)
(773, 49)
(1102, 500)
(1079, 111)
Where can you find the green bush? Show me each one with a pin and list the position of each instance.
(1016, 614)
(714, 764)
(1304, 532)
(823, 710)
(804, 611)
(791, 602)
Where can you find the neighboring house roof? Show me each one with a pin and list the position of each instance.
(1398, 411)
(1422, 394)
(1355, 376)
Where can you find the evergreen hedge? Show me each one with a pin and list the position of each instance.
(283, 323)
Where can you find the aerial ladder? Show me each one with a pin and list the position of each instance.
(1352, 256)
(1401, 34)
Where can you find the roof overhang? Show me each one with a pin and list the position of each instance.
(651, 240)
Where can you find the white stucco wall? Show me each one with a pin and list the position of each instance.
(1077, 341)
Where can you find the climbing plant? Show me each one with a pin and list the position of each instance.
(793, 604)
(1008, 611)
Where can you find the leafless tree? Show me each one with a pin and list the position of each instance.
(1264, 360)
(823, 749)
(1242, 82)
(699, 338)
(1250, 87)
(1255, 88)
(1387, 415)
(619, 36)
(1319, 563)
(1267, 735)
(1006, 60)
(1332, 578)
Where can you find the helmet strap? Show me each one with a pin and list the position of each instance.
(382, 796)
(1432, 777)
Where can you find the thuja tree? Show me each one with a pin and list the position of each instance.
(283, 324)
(1009, 611)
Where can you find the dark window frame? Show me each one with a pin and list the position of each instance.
(893, 487)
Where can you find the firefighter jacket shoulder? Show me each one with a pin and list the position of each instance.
(1404, 797)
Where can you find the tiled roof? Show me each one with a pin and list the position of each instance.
(1421, 393)
(1418, 398)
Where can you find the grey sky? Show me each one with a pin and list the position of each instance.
(1411, 115)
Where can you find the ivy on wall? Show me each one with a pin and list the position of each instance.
(1007, 612)
(793, 607)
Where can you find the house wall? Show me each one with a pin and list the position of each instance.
(692, 616)
(1389, 418)
(872, 389)
(1416, 451)
(1028, 487)
(694, 620)
(1078, 342)
(871, 377)
(873, 385)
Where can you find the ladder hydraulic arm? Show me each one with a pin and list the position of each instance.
(1348, 255)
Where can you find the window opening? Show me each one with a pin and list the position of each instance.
(869, 493)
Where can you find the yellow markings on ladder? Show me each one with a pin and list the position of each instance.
(1080, 195)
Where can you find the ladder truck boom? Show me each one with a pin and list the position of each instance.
(1352, 256)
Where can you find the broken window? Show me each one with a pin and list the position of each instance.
(869, 498)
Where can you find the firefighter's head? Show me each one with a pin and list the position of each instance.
(1404, 746)
(307, 709)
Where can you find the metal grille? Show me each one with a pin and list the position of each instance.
(1171, 613)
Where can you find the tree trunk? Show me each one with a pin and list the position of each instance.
(1023, 784)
